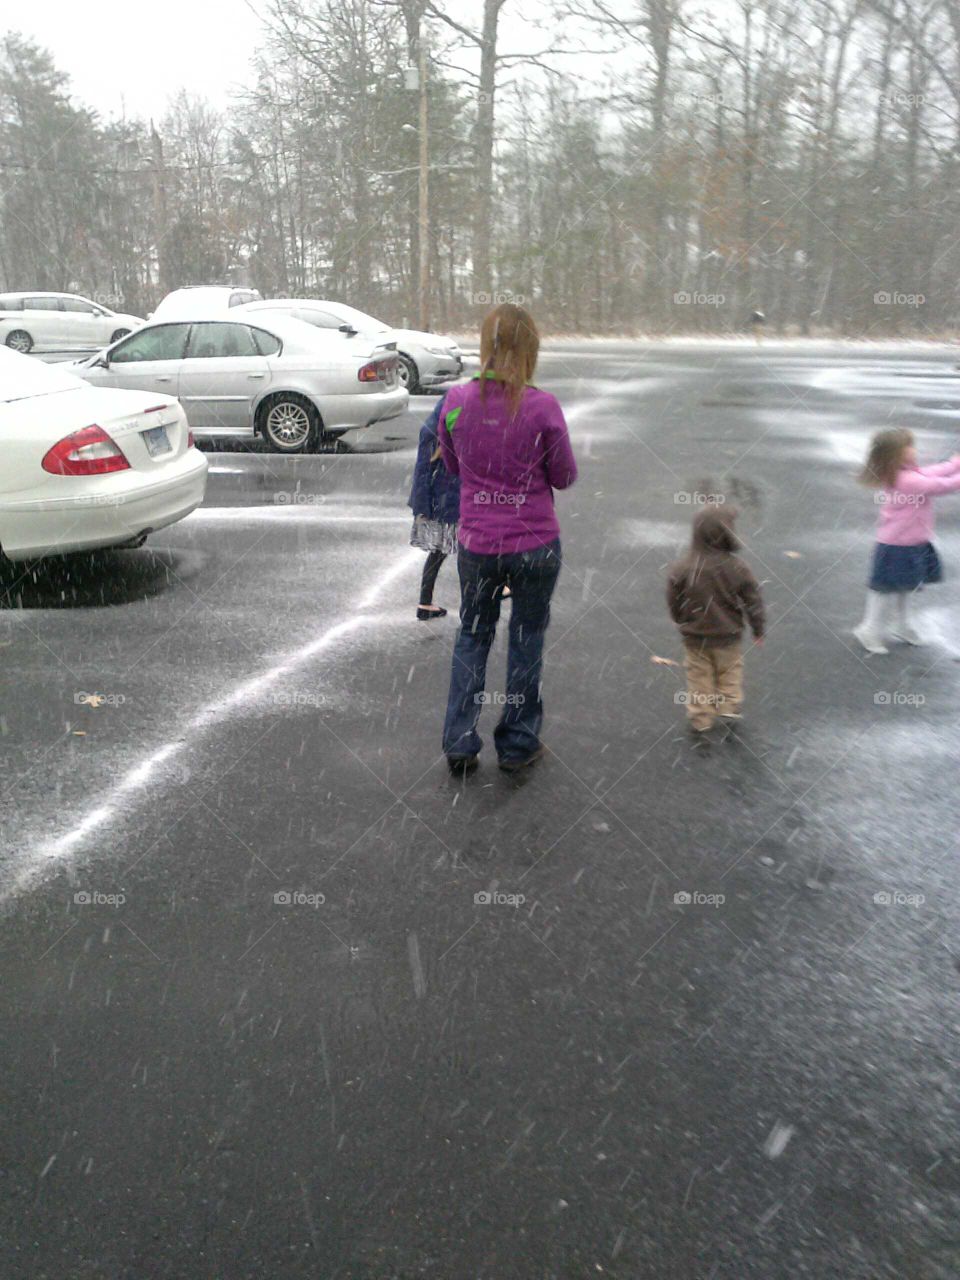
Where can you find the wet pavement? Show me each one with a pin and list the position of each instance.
(701, 1020)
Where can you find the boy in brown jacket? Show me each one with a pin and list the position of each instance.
(710, 595)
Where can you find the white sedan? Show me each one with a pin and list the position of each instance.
(59, 322)
(244, 375)
(84, 467)
(426, 359)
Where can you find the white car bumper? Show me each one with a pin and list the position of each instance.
(52, 526)
(347, 413)
(437, 370)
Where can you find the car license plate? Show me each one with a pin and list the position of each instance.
(157, 441)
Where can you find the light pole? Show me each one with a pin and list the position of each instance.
(424, 213)
(416, 78)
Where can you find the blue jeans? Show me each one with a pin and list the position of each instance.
(532, 576)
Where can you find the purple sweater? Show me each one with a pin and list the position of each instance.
(508, 468)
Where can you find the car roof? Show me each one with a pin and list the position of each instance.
(337, 308)
(295, 332)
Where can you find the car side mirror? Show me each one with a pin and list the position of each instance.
(348, 329)
(102, 362)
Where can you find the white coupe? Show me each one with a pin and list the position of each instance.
(84, 467)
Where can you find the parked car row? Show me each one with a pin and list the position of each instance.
(426, 360)
(101, 453)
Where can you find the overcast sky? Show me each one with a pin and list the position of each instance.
(118, 59)
(117, 54)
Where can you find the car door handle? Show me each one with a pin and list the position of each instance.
(165, 377)
(256, 375)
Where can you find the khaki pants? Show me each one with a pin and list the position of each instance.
(714, 683)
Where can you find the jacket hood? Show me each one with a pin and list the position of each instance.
(713, 530)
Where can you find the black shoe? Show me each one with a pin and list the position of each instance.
(512, 764)
(461, 764)
(427, 615)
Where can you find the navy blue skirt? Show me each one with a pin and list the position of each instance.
(904, 568)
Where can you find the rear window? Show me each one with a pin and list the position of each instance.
(319, 319)
(41, 304)
(78, 304)
(9, 303)
(219, 341)
(268, 344)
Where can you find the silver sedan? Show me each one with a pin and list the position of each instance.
(427, 360)
(271, 376)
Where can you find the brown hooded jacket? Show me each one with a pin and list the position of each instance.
(712, 593)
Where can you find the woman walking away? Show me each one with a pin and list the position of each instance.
(904, 558)
(435, 499)
(508, 442)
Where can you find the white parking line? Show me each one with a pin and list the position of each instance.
(143, 774)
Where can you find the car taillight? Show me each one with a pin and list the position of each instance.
(88, 452)
(378, 370)
(189, 439)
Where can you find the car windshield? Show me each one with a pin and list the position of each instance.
(22, 377)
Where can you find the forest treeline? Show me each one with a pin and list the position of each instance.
(799, 159)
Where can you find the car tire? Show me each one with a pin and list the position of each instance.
(19, 340)
(118, 334)
(289, 423)
(409, 374)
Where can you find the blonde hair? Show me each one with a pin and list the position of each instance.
(509, 346)
(885, 458)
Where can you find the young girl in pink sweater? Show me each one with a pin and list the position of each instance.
(904, 558)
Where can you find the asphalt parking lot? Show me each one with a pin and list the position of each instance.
(259, 1021)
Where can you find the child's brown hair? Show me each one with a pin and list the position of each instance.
(885, 458)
